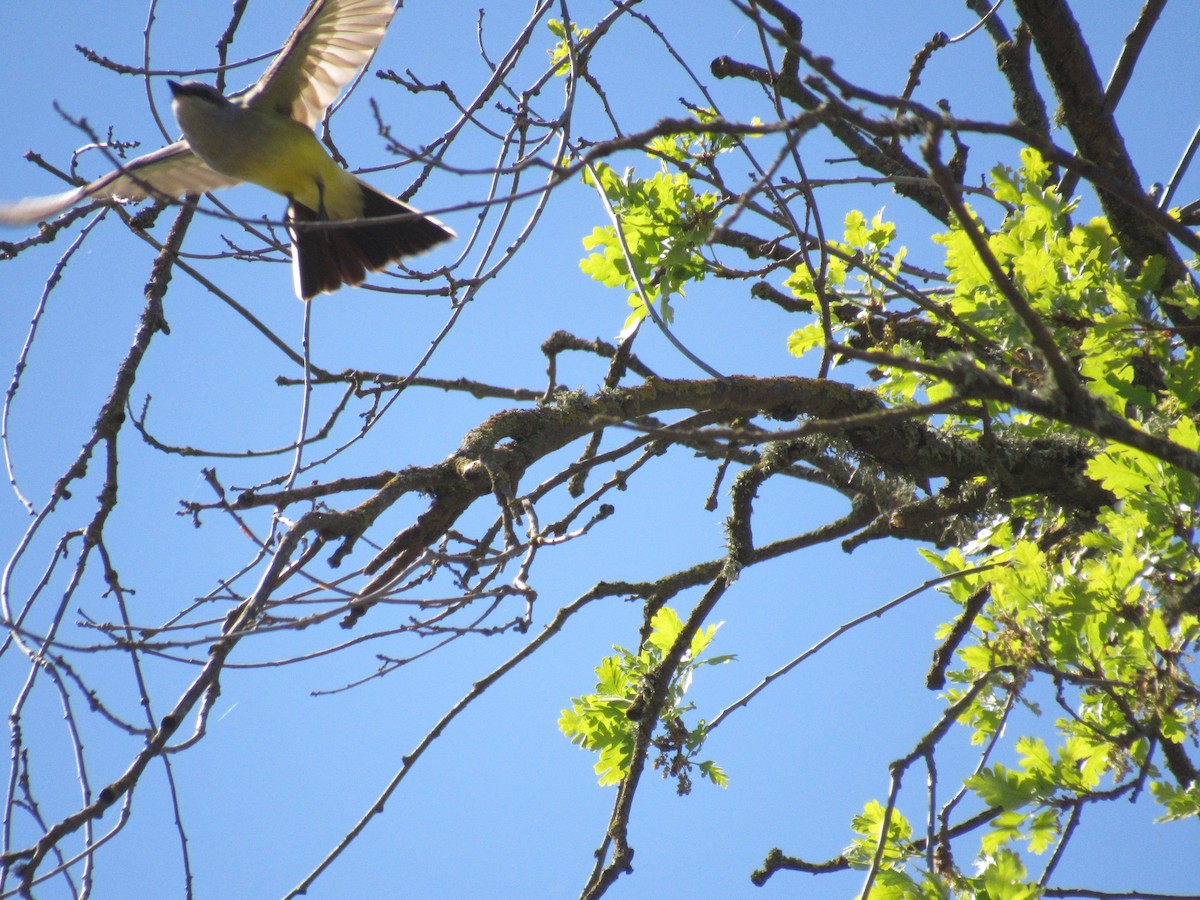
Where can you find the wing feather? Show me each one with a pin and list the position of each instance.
(170, 172)
(332, 42)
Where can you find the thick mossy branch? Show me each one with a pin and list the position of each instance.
(495, 456)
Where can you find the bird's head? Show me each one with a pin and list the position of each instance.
(187, 93)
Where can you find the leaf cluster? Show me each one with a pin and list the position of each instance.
(653, 247)
(606, 721)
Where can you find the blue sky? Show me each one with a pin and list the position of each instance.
(502, 806)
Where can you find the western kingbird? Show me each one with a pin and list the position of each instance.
(264, 135)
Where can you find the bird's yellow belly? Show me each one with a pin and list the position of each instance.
(284, 156)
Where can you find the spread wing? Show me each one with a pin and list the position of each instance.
(170, 172)
(332, 42)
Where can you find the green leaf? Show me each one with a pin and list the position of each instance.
(804, 339)
(1044, 830)
(1180, 802)
(714, 773)
(665, 629)
(998, 786)
(1182, 378)
(869, 824)
(1005, 878)
(894, 885)
(560, 53)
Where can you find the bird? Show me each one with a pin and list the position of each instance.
(264, 135)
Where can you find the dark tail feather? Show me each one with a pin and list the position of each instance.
(323, 259)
